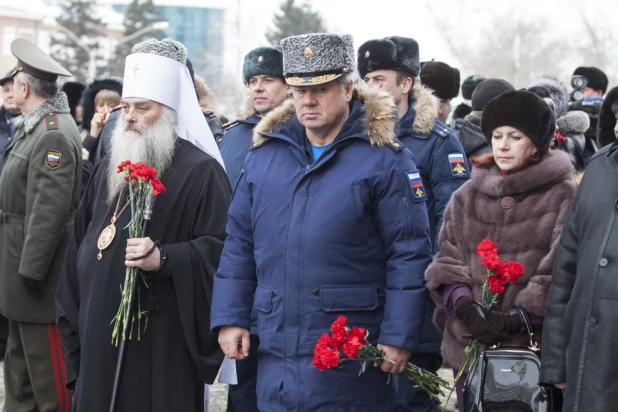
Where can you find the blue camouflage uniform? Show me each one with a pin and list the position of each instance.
(314, 240)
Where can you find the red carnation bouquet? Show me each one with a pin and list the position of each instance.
(498, 275)
(143, 185)
(350, 343)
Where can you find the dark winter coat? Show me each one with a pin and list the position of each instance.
(528, 232)
(471, 136)
(313, 240)
(431, 142)
(572, 126)
(236, 141)
(579, 336)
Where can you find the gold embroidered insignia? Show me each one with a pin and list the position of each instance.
(459, 169)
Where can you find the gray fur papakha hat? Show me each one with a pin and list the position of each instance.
(317, 58)
(266, 60)
(167, 48)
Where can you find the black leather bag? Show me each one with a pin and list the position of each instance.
(507, 380)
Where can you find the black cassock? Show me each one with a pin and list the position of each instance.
(165, 370)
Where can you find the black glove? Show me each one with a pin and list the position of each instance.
(475, 319)
(507, 321)
(33, 285)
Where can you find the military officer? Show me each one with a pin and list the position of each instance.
(39, 191)
(392, 64)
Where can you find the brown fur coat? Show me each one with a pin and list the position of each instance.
(528, 232)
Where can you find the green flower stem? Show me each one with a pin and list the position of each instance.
(126, 317)
(429, 382)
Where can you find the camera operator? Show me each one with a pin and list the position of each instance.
(589, 85)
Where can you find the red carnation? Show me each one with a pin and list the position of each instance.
(486, 247)
(122, 165)
(329, 358)
(492, 262)
(339, 329)
(157, 186)
(495, 284)
(511, 271)
(146, 173)
(355, 342)
(324, 357)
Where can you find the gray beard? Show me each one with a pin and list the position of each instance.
(153, 146)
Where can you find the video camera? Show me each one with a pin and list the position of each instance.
(592, 109)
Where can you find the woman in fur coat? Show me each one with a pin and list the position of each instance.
(518, 197)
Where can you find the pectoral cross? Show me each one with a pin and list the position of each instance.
(135, 69)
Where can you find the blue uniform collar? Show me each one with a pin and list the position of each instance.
(253, 120)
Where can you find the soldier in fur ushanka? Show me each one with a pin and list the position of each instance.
(392, 65)
(324, 222)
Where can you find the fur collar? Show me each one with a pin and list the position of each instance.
(57, 104)
(554, 167)
(379, 122)
(205, 96)
(426, 106)
(246, 109)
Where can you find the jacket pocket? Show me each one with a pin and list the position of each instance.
(349, 299)
(263, 300)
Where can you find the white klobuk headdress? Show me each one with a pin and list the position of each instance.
(156, 70)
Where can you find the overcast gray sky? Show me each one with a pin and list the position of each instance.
(463, 19)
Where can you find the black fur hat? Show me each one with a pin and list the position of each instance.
(607, 119)
(91, 93)
(441, 78)
(391, 53)
(597, 80)
(487, 90)
(468, 86)
(266, 60)
(74, 91)
(524, 111)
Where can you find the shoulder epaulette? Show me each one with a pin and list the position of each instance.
(51, 122)
(117, 108)
(229, 125)
(441, 130)
(395, 145)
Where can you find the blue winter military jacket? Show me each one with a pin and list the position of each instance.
(343, 235)
(235, 145)
(443, 167)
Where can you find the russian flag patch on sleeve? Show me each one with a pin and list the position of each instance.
(457, 164)
(417, 187)
(53, 159)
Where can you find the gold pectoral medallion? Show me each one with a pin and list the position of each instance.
(106, 238)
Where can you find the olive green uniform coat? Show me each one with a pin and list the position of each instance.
(40, 188)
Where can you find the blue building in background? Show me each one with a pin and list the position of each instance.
(200, 29)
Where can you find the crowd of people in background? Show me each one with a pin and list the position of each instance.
(346, 185)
